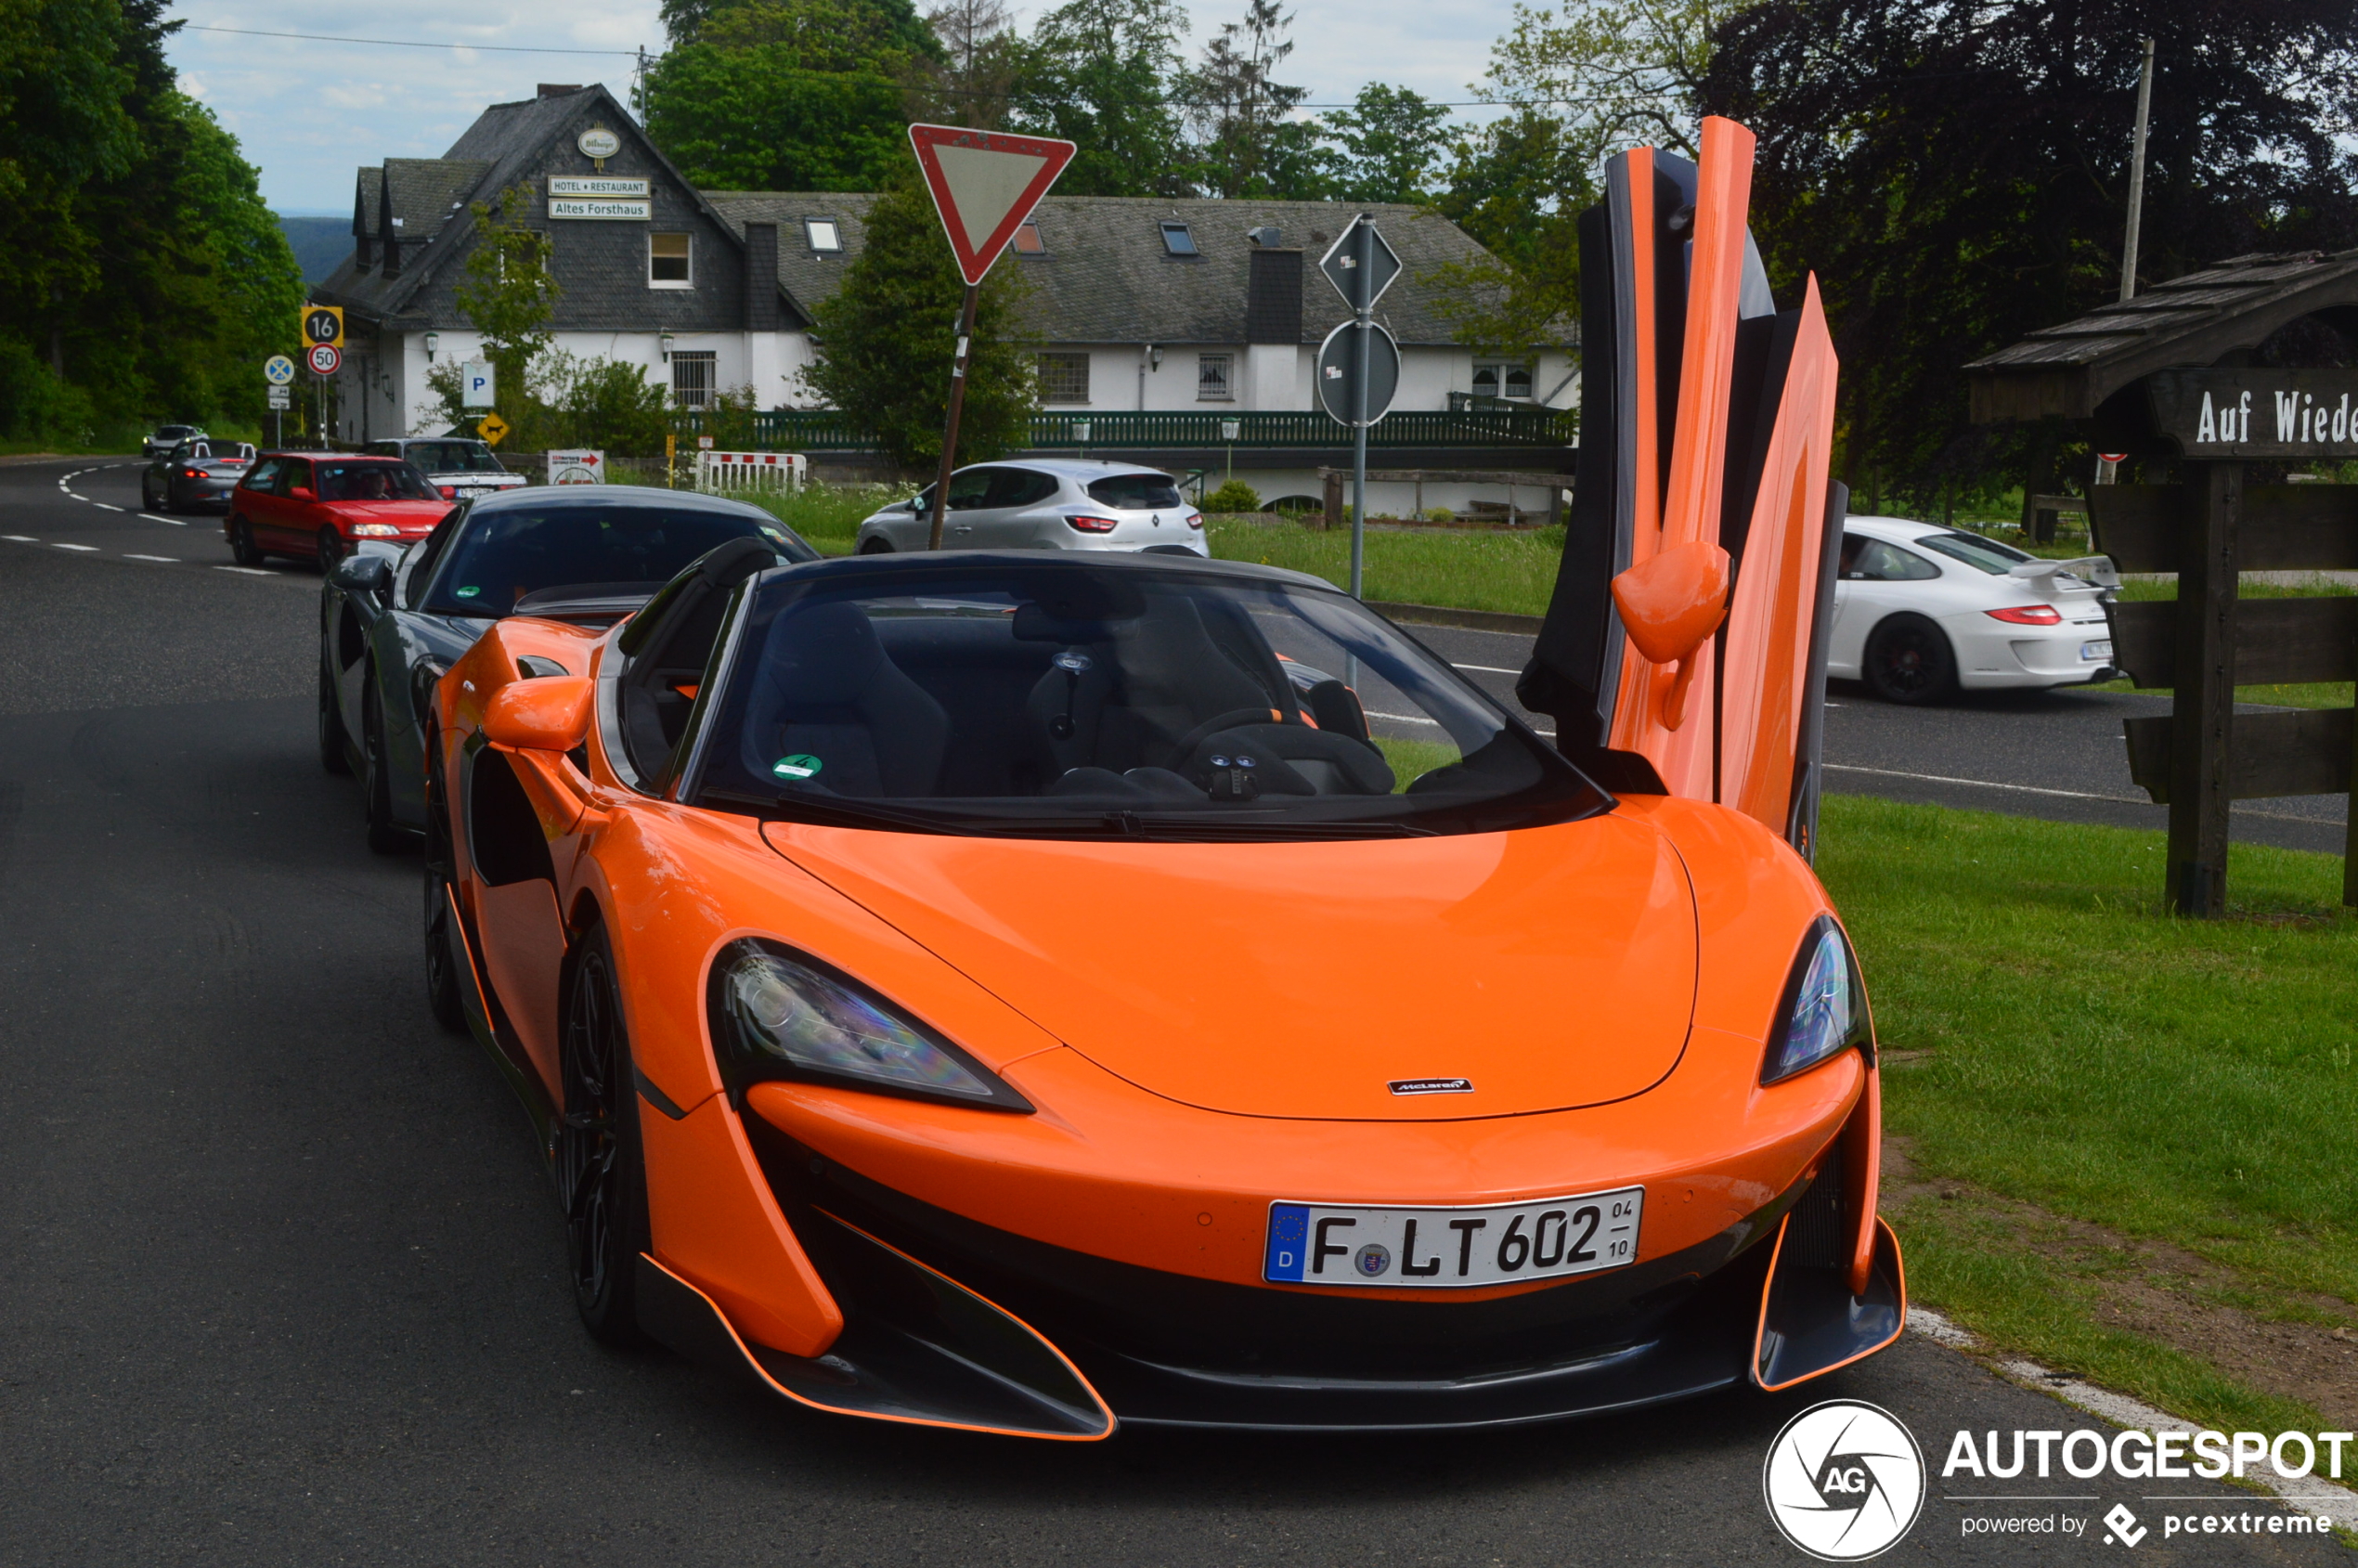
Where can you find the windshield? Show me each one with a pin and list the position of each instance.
(371, 482)
(1986, 555)
(454, 456)
(1068, 700)
(503, 553)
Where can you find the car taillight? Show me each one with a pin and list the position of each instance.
(449, 492)
(1195, 520)
(1089, 524)
(2028, 615)
(192, 474)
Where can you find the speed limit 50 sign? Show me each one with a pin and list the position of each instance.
(323, 324)
(326, 359)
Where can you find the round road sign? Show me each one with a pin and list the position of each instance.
(277, 369)
(1339, 366)
(326, 359)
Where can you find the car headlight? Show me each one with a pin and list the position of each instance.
(1825, 1010)
(781, 1014)
(376, 531)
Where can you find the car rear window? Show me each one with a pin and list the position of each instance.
(454, 456)
(1136, 492)
(372, 482)
(1986, 555)
(506, 552)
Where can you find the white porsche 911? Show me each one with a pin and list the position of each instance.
(1920, 610)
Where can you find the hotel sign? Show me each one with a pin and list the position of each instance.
(582, 196)
(2228, 415)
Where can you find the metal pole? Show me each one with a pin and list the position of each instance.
(2137, 177)
(1363, 311)
(957, 402)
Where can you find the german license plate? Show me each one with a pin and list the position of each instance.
(2095, 650)
(1432, 1248)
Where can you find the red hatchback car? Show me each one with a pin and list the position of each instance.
(317, 505)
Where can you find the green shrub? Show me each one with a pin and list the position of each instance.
(1235, 496)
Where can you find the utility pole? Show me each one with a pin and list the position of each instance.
(2137, 175)
(957, 403)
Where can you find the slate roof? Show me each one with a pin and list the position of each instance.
(2066, 370)
(1104, 275)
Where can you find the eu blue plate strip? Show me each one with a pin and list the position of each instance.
(1288, 1239)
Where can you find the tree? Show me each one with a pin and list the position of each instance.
(1518, 186)
(887, 336)
(1956, 177)
(1246, 142)
(1387, 145)
(789, 94)
(1096, 72)
(509, 296)
(1617, 74)
(982, 60)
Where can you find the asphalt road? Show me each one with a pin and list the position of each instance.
(283, 1284)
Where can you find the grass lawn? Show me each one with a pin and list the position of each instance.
(828, 516)
(1473, 569)
(2184, 1083)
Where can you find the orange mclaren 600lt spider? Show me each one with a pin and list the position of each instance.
(1032, 993)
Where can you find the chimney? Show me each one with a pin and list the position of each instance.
(557, 89)
(1273, 296)
(761, 278)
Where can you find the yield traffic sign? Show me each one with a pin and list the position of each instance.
(323, 324)
(984, 185)
(325, 359)
(1337, 375)
(277, 369)
(1360, 264)
(492, 428)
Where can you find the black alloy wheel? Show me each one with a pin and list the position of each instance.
(601, 1171)
(242, 550)
(442, 928)
(331, 752)
(1909, 661)
(330, 550)
(386, 836)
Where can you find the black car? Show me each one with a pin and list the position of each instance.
(391, 622)
(167, 437)
(196, 475)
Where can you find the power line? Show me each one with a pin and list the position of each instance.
(408, 43)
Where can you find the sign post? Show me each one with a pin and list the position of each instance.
(984, 184)
(278, 375)
(1359, 364)
(2203, 756)
(323, 351)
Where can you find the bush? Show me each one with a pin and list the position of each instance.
(1235, 496)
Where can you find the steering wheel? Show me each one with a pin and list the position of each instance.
(1185, 746)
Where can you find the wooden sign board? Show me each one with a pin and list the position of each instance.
(2231, 414)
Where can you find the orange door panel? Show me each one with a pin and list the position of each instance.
(523, 949)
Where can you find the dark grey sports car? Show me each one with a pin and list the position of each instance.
(391, 622)
(195, 474)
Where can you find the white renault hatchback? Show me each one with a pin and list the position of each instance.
(1920, 610)
(1057, 503)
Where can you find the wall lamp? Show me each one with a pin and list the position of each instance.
(434, 340)
(667, 348)
(1154, 355)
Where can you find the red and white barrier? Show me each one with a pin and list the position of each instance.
(722, 473)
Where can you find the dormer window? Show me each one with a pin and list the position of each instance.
(670, 261)
(1026, 241)
(1178, 240)
(825, 239)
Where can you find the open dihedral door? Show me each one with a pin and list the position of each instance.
(1684, 648)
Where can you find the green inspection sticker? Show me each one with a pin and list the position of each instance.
(469, 592)
(801, 765)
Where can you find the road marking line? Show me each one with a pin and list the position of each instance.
(104, 507)
(20, 538)
(173, 521)
(90, 547)
(167, 560)
(247, 571)
(1985, 783)
(1488, 669)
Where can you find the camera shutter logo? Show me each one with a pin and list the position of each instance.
(1844, 1480)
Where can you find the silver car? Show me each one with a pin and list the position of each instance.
(1052, 504)
(461, 467)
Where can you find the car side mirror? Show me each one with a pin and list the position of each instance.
(301, 493)
(363, 573)
(1670, 605)
(548, 714)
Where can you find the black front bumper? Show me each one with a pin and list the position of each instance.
(1171, 1349)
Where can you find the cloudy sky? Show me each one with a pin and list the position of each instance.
(308, 113)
